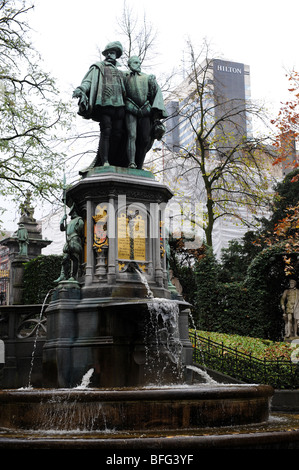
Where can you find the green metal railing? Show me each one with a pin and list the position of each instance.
(279, 373)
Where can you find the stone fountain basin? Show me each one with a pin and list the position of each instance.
(131, 409)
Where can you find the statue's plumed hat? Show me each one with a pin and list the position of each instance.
(72, 209)
(115, 46)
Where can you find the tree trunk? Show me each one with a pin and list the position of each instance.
(210, 221)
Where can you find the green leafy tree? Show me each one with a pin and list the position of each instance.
(32, 115)
(286, 196)
(236, 259)
(281, 229)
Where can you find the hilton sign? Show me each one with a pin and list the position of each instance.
(228, 68)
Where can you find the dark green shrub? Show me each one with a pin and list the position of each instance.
(208, 293)
(235, 309)
(266, 281)
(39, 275)
(249, 308)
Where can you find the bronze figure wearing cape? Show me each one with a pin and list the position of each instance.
(128, 109)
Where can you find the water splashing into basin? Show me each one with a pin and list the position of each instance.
(203, 374)
(164, 348)
(85, 380)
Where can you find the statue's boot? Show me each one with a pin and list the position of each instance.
(103, 151)
(59, 279)
(62, 276)
(98, 160)
(131, 150)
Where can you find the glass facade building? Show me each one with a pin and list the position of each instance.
(229, 86)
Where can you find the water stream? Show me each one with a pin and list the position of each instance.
(36, 336)
(85, 380)
(164, 348)
(164, 321)
(203, 374)
(143, 279)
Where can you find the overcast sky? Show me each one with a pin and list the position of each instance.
(261, 33)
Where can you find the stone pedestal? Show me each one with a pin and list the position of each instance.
(35, 245)
(16, 279)
(123, 211)
(61, 332)
(124, 269)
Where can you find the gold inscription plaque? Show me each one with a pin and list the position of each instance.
(139, 238)
(100, 218)
(123, 238)
(131, 234)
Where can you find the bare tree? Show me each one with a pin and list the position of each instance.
(222, 164)
(31, 112)
(139, 36)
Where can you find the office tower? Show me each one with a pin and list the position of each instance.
(218, 93)
(227, 87)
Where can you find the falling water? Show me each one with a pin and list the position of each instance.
(69, 412)
(164, 347)
(166, 335)
(203, 373)
(143, 279)
(36, 336)
(85, 380)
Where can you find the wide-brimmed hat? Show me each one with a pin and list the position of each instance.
(73, 209)
(115, 46)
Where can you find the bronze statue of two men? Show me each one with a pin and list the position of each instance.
(128, 106)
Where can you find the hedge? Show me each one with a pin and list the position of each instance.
(249, 308)
(39, 276)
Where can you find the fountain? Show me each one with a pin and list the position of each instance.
(117, 360)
